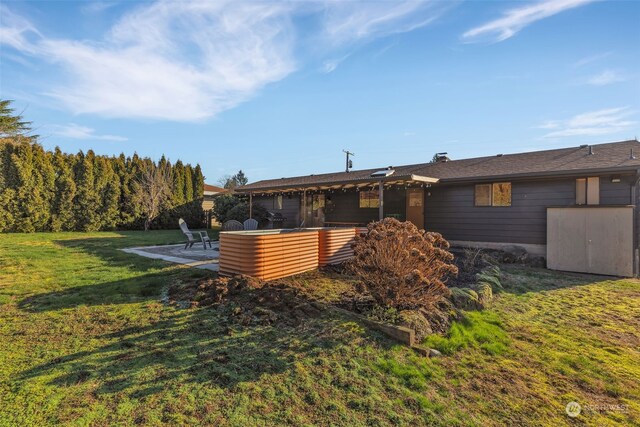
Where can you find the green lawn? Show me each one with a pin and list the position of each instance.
(86, 340)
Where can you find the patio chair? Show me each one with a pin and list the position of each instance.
(251, 224)
(232, 225)
(204, 237)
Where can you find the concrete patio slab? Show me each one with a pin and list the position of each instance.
(195, 256)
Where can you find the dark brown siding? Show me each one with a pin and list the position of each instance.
(450, 210)
(290, 208)
(615, 193)
(345, 206)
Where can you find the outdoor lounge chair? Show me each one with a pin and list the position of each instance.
(204, 237)
(251, 224)
(232, 225)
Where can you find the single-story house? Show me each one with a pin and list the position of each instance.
(208, 201)
(529, 199)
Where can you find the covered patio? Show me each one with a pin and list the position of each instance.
(353, 201)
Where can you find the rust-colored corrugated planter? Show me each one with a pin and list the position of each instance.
(269, 254)
(335, 245)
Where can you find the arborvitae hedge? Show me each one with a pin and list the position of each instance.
(53, 191)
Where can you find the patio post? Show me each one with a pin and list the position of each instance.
(250, 204)
(380, 200)
(304, 207)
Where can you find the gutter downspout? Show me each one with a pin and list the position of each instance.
(250, 204)
(636, 224)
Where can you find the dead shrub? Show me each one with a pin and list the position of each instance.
(403, 267)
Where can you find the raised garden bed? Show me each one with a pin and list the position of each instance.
(273, 254)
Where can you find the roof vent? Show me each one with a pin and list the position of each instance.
(499, 155)
(631, 155)
(591, 150)
(383, 173)
(584, 146)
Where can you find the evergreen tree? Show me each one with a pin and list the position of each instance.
(188, 184)
(123, 174)
(12, 125)
(7, 186)
(177, 196)
(240, 178)
(108, 192)
(136, 167)
(30, 181)
(168, 215)
(41, 190)
(62, 217)
(237, 180)
(198, 183)
(86, 199)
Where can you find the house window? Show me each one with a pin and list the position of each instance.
(496, 194)
(317, 202)
(588, 191)
(501, 195)
(483, 195)
(369, 199)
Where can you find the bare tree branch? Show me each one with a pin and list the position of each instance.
(153, 187)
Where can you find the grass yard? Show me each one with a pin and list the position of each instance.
(86, 340)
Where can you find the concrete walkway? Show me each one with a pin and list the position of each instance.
(195, 256)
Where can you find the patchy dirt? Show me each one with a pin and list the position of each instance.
(470, 262)
(248, 301)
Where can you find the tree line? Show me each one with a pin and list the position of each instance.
(43, 190)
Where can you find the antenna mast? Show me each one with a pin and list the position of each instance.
(349, 163)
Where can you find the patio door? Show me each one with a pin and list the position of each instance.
(314, 210)
(415, 206)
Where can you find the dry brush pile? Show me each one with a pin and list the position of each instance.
(406, 268)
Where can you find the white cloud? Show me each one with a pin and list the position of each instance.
(330, 65)
(15, 31)
(592, 58)
(549, 124)
(76, 131)
(350, 21)
(516, 19)
(593, 123)
(95, 7)
(188, 61)
(606, 77)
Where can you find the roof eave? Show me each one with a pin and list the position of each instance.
(340, 184)
(574, 172)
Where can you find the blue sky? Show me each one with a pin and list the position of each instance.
(280, 88)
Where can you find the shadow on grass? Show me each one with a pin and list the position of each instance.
(141, 278)
(519, 279)
(108, 248)
(125, 291)
(204, 346)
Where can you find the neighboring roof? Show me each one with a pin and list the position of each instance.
(614, 157)
(212, 189)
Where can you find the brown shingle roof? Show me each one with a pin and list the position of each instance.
(214, 189)
(613, 156)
